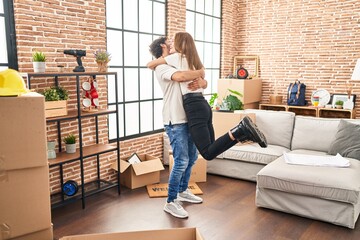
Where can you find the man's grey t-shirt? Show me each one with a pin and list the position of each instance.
(173, 110)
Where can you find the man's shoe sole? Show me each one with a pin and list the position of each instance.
(258, 135)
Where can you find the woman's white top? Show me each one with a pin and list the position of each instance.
(181, 63)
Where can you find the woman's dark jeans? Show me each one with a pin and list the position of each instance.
(199, 115)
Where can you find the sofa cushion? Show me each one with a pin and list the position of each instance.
(254, 153)
(313, 133)
(333, 183)
(347, 140)
(276, 126)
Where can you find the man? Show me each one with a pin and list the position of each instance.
(175, 123)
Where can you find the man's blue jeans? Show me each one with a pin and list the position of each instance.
(185, 155)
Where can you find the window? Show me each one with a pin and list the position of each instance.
(131, 27)
(8, 55)
(203, 22)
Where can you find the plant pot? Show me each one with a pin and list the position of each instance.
(51, 150)
(70, 148)
(338, 106)
(39, 67)
(102, 66)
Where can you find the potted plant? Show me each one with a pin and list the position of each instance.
(38, 59)
(339, 104)
(229, 103)
(70, 143)
(55, 101)
(102, 58)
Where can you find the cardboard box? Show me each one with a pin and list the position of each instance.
(224, 121)
(163, 234)
(46, 234)
(251, 89)
(139, 174)
(24, 172)
(198, 172)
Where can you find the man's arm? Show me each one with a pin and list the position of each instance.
(156, 62)
(185, 76)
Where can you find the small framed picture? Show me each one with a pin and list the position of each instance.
(133, 159)
(342, 97)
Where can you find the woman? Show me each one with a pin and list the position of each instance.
(197, 109)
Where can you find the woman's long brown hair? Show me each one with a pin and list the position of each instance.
(185, 45)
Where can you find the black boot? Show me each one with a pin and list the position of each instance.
(247, 130)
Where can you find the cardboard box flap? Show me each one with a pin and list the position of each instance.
(148, 166)
(163, 234)
(123, 165)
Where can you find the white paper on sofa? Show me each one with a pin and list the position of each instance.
(316, 160)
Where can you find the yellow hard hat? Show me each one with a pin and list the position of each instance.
(11, 83)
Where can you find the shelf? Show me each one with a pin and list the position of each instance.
(273, 107)
(73, 114)
(88, 151)
(336, 113)
(303, 110)
(69, 74)
(90, 188)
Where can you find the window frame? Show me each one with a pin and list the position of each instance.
(10, 35)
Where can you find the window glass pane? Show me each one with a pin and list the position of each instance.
(190, 28)
(208, 77)
(131, 84)
(158, 120)
(199, 6)
(145, 55)
(146, 117)
(131, 118)
(111, 86)
(216, 56)
(146, 84)
(209, 29)
(215, 77)
(114, 46)
(130, 49)
(159, 18)
(190, 4)
(130, 15)
(216, 30)
(145, 12)
(209, 7)
(207, 55)
(113, 18)
(112, 122)
(217, 7)
(1, 6)
(199, 26)
(200, 50)
(3, 46)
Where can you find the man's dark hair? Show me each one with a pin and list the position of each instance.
(155, 47)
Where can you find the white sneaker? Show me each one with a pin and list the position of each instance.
(188, 196)
(175, 209)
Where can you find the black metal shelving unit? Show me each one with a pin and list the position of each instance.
(83, 152)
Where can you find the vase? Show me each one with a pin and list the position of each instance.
(70, 148)
(51, 149)
(102, 66)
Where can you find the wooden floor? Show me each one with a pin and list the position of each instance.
(227, 213)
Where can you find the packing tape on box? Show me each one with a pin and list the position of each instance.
(3, 172)
(5, 231)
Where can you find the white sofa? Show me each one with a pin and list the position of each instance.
(330, 194)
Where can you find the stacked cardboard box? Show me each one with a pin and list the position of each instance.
(25, 211)
(198, 171)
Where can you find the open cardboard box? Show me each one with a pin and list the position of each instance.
(163, 234)
(139, 174)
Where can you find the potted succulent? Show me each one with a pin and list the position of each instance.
(55, 101)
(339, 104)
(38, 59)
(70, 143)
(229, 103)
(102, 59)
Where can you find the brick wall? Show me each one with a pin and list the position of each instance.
(316, 42)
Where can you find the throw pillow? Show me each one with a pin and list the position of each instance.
(347, 140)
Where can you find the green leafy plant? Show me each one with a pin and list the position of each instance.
(102, 56)
(38, 57)
(339, 102)
(70, 139)
(231, 102)
(55, 94)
